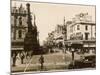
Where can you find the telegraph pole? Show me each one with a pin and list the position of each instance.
(64, 35)
(64, 40)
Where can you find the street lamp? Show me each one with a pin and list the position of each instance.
(72, 56)
(64, 35)
(64, 39)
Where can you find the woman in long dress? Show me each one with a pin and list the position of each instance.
(18, 59)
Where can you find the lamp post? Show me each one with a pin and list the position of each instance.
(64, 36)
(72, 56)
(64, 39)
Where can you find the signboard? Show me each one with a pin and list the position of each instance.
(89, 45)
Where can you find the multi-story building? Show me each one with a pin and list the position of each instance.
(59, 35)
(19, 27)
(81, 32)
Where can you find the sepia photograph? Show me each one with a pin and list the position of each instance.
(49, 37)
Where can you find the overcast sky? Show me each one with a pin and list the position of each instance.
(49, 15)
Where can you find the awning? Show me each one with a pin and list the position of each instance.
(75, 41)
(57, 41)
(17, 48)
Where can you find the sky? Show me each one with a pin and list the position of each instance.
(48, 15)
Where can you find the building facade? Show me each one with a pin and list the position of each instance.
(81, 32)
(59, 35)
(19, 27)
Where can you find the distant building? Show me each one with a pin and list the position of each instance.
(59, 35)
(50, 39)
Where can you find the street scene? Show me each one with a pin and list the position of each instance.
(52, 37)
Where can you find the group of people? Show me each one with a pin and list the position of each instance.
(18, 58)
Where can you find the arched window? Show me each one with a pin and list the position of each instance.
(20, 20)
(20, 34)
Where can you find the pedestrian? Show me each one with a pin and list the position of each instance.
(22, 58)
(18, 59)
(14, 58)
(41, 60)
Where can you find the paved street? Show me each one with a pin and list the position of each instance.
(52, 61)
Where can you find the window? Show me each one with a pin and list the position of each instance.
(20, 33)
(86, 36)
(20, 20)
(86, 27)
(78, 27)
(95, 34)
